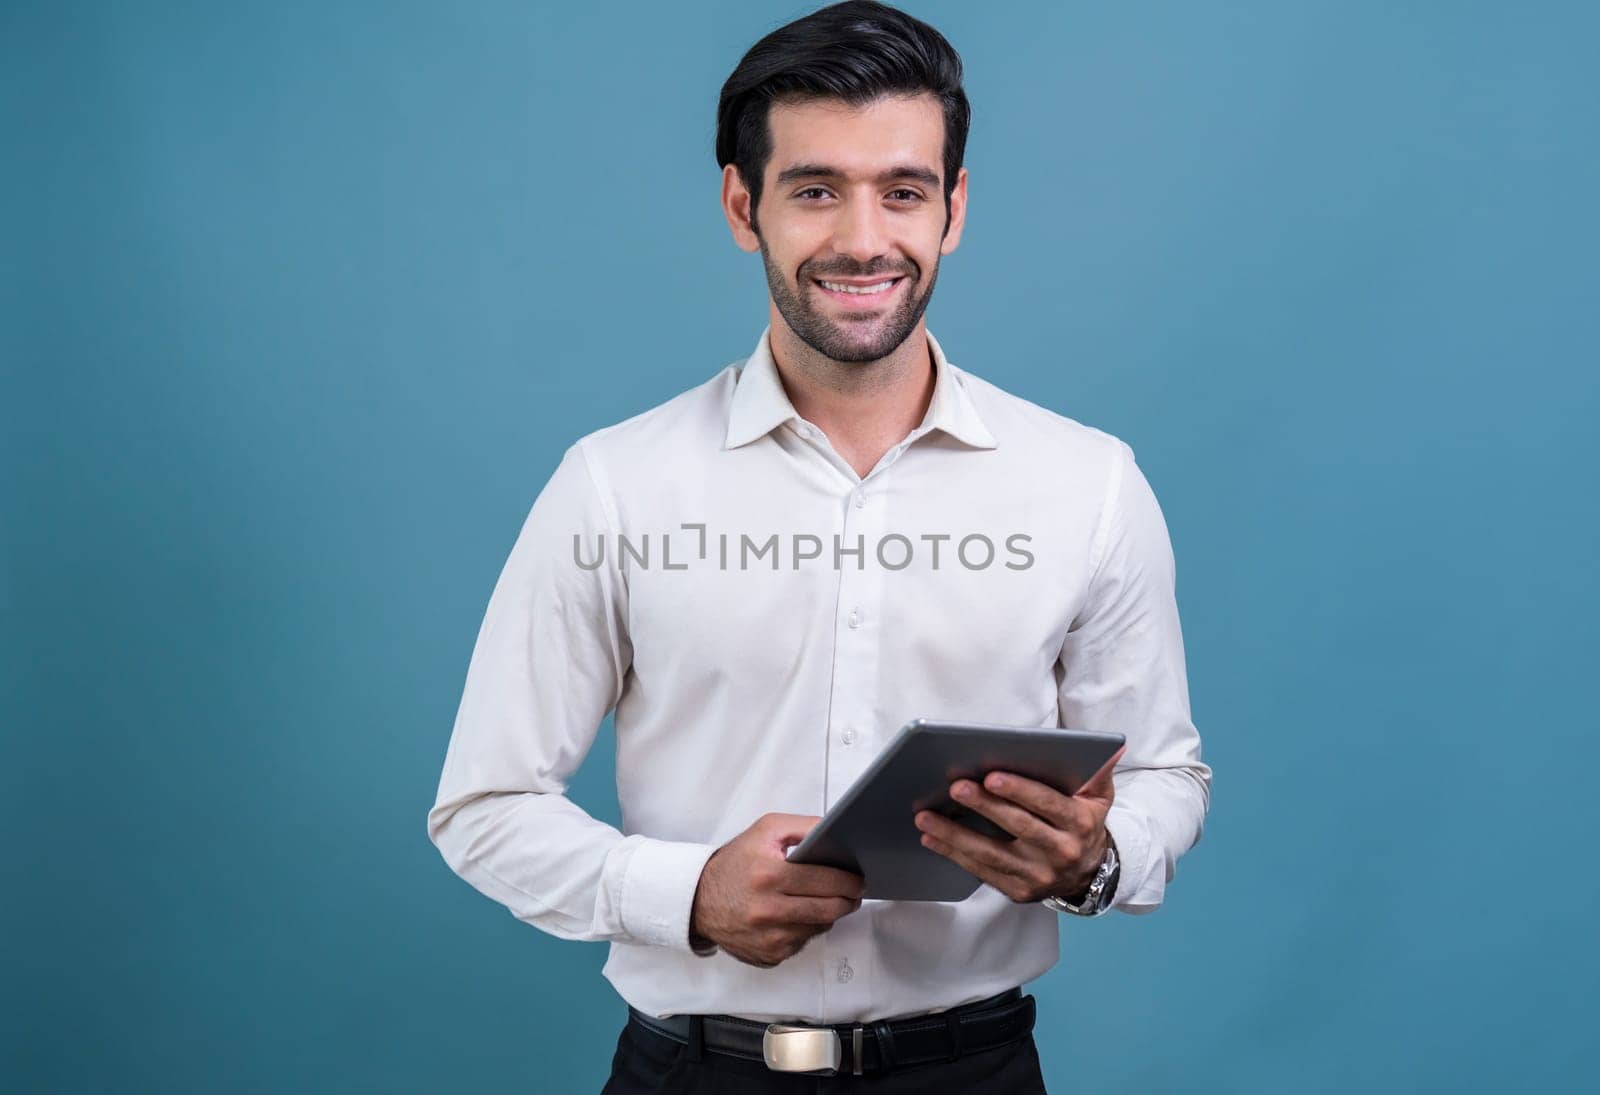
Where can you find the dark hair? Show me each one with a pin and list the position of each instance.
(855, 51)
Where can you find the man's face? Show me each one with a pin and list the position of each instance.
(855, 196)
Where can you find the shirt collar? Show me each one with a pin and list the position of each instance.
(760, 404)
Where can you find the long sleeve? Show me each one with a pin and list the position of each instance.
(1122, 669)
(549, 663)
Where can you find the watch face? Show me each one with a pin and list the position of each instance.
(1110, 889)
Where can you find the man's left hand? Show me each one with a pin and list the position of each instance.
(1060, 839)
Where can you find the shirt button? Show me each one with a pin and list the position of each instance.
(855, 617)
(849, 737)
(845, 972)
(861, 499)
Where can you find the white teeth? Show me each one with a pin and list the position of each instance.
(878, 288)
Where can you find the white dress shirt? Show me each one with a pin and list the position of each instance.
(763, 620)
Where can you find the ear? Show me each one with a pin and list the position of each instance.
(958, 214)
(736, 207)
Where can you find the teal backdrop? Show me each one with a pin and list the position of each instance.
(302, 303)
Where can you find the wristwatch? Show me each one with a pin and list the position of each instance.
(1102, 888)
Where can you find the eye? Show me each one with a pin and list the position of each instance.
(810, 190)
(912, 195)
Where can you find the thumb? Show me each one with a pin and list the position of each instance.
(1099, 786)
(782, 830)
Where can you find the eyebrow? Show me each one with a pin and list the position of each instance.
(900, 172)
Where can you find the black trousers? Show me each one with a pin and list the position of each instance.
(647, 1063)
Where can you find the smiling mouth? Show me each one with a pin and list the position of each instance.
(859, 294)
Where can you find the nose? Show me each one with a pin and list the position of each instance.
(859, 230)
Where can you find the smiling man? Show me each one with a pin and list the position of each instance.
(856, 221)
(768, 575)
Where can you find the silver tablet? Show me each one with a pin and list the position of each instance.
(871, 830)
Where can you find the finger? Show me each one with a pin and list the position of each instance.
(1020, 823)
(1057, 810)
(811, 880)
(1000, 880)
(1099, 786)
(976, 847)
(782, 830)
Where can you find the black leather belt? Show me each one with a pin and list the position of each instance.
(858, 1048)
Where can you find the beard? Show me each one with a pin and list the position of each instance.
(859, 338)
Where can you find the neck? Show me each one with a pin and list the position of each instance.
(861, 405)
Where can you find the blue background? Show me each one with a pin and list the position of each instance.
(302, 303)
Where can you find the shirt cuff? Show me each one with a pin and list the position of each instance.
(658, 892)
(1132, 835)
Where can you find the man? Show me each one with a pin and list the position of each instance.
(769, 574)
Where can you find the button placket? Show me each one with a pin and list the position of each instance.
(845, 955)
(855, 668)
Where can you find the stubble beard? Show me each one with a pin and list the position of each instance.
(844, 340)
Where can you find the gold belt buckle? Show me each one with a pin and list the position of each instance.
(791, 1048)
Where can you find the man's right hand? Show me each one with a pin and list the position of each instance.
(761, 908)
